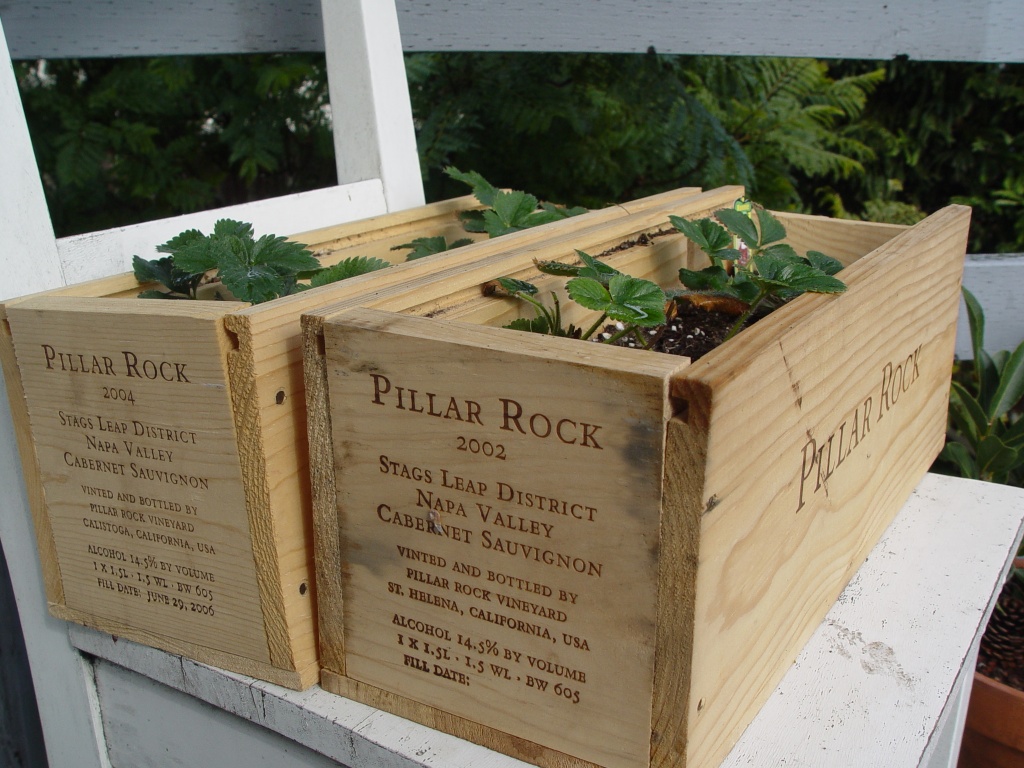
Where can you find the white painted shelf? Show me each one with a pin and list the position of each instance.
(881, 683)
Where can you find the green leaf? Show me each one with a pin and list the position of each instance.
(558, 268)
(512, 286)
(351, 267)
(589, 293)
(969, 414)
(422, 247)
(1011, 385)
(537, 324)
(782, 251)
(797, 276)
(740, 225)
(626, 299)
(164, 271)
(1014, 434)
(254, 283)
(156, 271)
(232, 228)
(713, 278)
(772, 229)
(510, 213)
(596, 269)
(155, 294)
(201, 255)
(987, 373)
(995, 457)
(636, 301)
(472, 221)
(959, 456)
(181, 240)
(287, 257)
(976, 321)
(826, 264)
(483, 190)
(705, 233)
(562, 212)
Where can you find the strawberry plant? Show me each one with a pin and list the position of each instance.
(249, 269)
(508, 211)
(771, 275)
(631, 301)
(258, 270)
(762, 277)
(422, 247)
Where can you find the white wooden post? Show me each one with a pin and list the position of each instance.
(28, 260)
(373, 129)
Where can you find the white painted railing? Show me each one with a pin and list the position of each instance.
(945, 30)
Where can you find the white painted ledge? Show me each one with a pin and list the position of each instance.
(879, 683)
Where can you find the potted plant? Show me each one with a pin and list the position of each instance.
(581, 554)
(985, 441)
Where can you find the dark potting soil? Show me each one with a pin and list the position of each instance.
(692, 333)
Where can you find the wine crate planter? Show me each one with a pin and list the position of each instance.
(164, 449)
(581, 555)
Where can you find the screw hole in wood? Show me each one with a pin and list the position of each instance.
(279, 398)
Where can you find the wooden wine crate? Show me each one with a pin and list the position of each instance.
(582, 555)
(164, 449)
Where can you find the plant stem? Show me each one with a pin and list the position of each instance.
(761, 296)
(542, 311)
(595, 326)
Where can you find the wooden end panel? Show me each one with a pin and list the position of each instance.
(29, 464)
(130, 413)
(498, 504)
(820, 421)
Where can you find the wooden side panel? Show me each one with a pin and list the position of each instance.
(376, 237)
(131, 418)
(815, 438)
(499, 508)
(843, 239)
